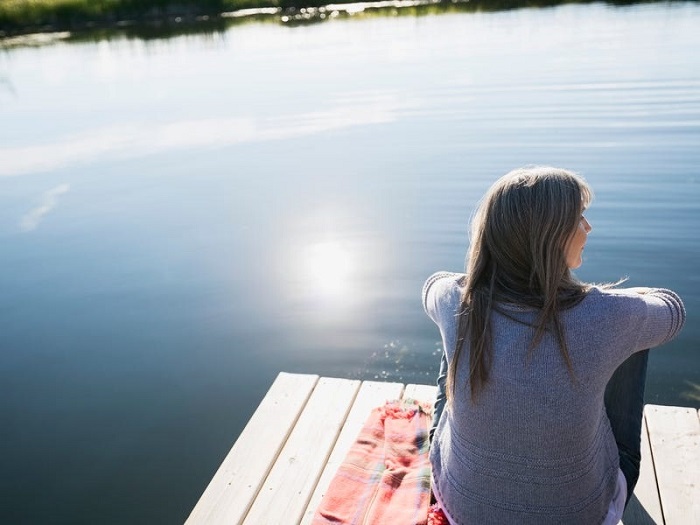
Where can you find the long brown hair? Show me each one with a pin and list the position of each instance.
(519, 237)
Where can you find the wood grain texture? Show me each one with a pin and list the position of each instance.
(236, 483)
(425, 393)
(674, 434)
(285, 494)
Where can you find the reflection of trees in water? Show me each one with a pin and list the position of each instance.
(316, 12)
(156, 19)
(6, 85)
(154, 31)
(693, 392)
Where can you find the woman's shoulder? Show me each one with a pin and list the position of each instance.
(443, 282)
(628, 300)
(637, 293)
(610, 297)
(446, 278)
(649, 316)
(442, 289)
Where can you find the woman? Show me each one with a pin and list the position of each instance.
(538, 418)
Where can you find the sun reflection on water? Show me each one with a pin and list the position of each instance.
(331, 261)
(329, 267)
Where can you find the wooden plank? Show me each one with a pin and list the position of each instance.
(234, 486)
(279, 468)
(291, 482)
(644, 507)
(424, 393)
(372, 394)
(674, 434)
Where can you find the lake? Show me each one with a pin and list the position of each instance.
(183, 218)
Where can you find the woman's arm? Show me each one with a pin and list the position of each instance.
(665, 316)
(439, 296)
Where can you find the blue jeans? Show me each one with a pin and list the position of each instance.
(624, 404)
(441, 398)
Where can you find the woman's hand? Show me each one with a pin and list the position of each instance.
(640, 289)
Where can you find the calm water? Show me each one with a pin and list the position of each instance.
(182, 219)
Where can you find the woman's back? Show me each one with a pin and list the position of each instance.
(535, 445)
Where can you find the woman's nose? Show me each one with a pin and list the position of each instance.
(587, 225)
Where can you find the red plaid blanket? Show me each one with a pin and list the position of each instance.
(385, 478)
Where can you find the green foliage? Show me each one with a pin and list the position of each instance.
(23, 16)
(70, 13)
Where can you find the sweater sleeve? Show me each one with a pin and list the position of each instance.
(665, 316)
(441, 295)
(435, 291)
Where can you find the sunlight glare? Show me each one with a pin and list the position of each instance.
(329, 266)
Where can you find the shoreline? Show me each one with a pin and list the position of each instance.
(53, 17)
(19, 18)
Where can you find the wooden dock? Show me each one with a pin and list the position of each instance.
(278, 469)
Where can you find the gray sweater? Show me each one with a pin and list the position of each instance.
(536, 447)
